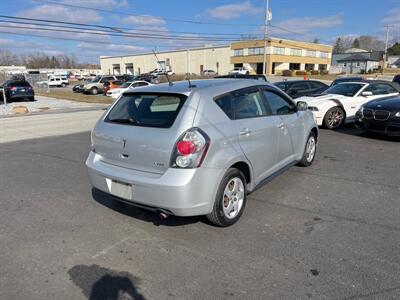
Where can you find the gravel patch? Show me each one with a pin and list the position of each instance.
(42, 104)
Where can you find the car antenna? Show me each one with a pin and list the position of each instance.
(190, 83)
(166, 73)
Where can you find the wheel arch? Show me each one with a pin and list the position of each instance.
(245, 168)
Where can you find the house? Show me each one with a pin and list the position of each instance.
(358, 62)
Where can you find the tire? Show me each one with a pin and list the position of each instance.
(310, 150)
(334, 118)
(94, 91)
(63, 85)
(31, 99)
(226, 211)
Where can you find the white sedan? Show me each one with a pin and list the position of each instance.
(115, 93)
(338, 104)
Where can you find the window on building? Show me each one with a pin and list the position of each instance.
(323, 54)
(294, 66)
(279, 50)
(358, 64)
(311, 53)
(238, 52)
(129, 69)
(116, 69)
(309, 67)
(322, 67)
(295, 52)
(256, 51)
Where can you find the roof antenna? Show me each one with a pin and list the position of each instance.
(190, 83)
(166, 73)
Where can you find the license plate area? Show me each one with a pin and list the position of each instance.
(119, 189)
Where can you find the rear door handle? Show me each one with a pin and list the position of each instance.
(245, 131)
(281, 125)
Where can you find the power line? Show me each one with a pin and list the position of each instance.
(113, 28)
(129, 14)
(125, 35)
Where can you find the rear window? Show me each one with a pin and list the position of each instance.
(18, 83)
(148, 110)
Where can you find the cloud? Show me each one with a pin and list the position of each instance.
(144, 20)
(116, 48)
(392, 17)
(60, 13)
(232, 11)
(307, 24)
(98, 3)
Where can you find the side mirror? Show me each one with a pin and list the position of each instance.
(366, 94)
(302, 106)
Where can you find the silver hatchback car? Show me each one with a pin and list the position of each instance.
(199, 148)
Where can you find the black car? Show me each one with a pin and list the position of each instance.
(396, 78)
(244, 76)
(381, 116)
(347, 79)
(299, 88)
(78, 88)
(18, 90)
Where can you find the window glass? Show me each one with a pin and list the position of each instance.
(225, 103)
(295, 52)
(299, 86)
(315, 85)
(323, 54)
(150, 110)
(248, 104)
(380, 89)
(345, 89)
(256, 51)
(282, 85)
(311, 53)
(238, 52)
(279, 50)
(279, 105)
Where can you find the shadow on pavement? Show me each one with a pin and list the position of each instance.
(351, 129)
(98, 283)
(140, 213)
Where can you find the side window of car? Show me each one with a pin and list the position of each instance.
(299, 86)
(142, 84)
(248, 103)
(225, 103)
(315, 85)
(380, 89)
(278, 104)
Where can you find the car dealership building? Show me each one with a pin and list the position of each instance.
(281, 54)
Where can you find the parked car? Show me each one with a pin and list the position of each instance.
(339, 104)
(241, 76)
(209, 73)
(126, 86)
(78, 88)
(199, 148)
(17, 90)
(347, 79)
(396, 78)
(240, 70)
(54, 81)
(111, 85)
(381, 116)
(300, 88)
(96, 85)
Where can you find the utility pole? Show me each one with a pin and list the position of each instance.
(266, 21)
(386, 45)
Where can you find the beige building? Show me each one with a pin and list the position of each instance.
(192, 60)
(281, 55)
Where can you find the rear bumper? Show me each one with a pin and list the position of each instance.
(182, 192)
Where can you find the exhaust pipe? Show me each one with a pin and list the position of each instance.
(162, 215)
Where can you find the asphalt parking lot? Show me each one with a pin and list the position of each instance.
(329, 231)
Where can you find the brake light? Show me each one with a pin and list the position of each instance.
(185, 147)
(191, 149)
(13, 88)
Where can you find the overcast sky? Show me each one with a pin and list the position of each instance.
(302, 20)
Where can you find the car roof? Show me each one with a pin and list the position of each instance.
(211, 86)
(300, 80)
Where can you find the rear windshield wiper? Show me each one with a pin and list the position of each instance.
(125, 121)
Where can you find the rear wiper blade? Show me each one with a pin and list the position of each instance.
(125, 121)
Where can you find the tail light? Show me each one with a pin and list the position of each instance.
(191, 149)
(13, 88)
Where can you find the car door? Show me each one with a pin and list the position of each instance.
(298, 89)
(290, 126)
(256, 131)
